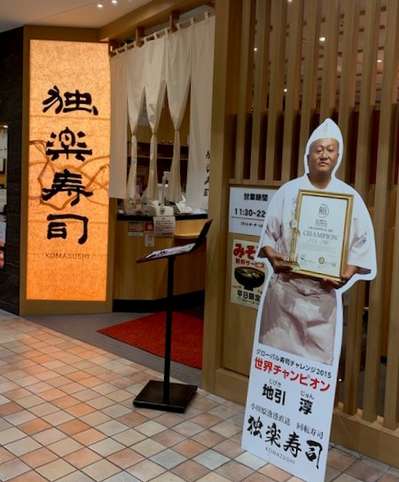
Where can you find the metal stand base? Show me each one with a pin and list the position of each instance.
(152, 396)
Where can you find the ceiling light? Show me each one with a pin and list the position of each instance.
(379, 61)
(286, 90)
(100, 5)
(114, 2)
(322, 39)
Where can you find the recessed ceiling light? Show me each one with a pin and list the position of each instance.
(322, 39)
(114, 2)
(285, 90)
(100, 5)
(379, 61)
(255, 49)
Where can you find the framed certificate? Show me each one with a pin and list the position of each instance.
(321, 230)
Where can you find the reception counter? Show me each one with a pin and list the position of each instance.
(142, 287)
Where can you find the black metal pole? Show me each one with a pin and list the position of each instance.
(168, 331)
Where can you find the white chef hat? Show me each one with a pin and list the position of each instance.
(326, 130)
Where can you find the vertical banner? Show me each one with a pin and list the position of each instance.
(317, 240)
(69, 130)
(247, 274)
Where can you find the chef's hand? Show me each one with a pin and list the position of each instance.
(349, 271)
(280, 263)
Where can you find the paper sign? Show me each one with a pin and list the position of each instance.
(247, 275)
(248, 209)
(164, 226)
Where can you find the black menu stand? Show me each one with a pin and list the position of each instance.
(170, 397)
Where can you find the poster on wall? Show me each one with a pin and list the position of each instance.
(248, 207)
(317, 241)
(69, 126)
(247, 274)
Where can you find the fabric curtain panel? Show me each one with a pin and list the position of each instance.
(201, 113)
(154, 85)
(135, 94)
(178, 72)
(118, 164)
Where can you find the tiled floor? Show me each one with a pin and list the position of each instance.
(66, 415)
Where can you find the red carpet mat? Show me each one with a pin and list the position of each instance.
(148, 333)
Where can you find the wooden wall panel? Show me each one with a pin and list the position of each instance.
(276, 93)
(383, 181)
(309, 76)
(340, 78)
(261, 85)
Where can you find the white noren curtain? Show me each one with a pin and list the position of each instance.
(135, 92)
(154, 85)
(178, 71)
(118, 164)
(200, 113)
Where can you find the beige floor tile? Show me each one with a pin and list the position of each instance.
(23, 446)
(190, 471)
(57, 418)
(188, 429)
(80, 409)
(82, 458)
(12, 468)
(5, 455)
(168, 477)
(9, 408)
(107, 447)
(212, 477)
(101, 470)
(209, 438)
(226, 429)
(100, 402)
(65, 402)
(76, 476)
(29, 477)
(190, 448)
(129, 437)
(365, 471)
(89, 436)
(229, 448)
(146, 470)
(389, 478)
(150, 428)
(96, 418)
(34, 426)
(125, 458)
(339, 459)
(44, 409)
(49, 436)
(112, 427)
(275, 473)
(168, 438)
(234, 471)
(148, 447)
(10, 435)
(20, 417)
(55, 470)
(65, 446)
(258, 477)
(250, 461)
(39, 457)
(206, 420)
(117, 410)
(73, 427)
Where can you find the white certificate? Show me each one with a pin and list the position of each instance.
(321, 232)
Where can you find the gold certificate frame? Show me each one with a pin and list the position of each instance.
(320, 235)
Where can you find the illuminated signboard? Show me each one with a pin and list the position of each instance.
(69, 126)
